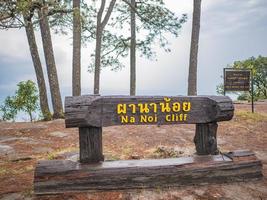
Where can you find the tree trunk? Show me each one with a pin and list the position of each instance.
(97, 59)
(98, 47)
(133, 53)
(30, 114)
(192, 77)
(76, 60)
(50, 64)
(38, 69)
(99, 31)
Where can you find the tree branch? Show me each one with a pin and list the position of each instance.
(100, 13)
(109, 11)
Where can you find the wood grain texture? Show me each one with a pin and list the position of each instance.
(206, 139)
(61, 176)
(101, 111)
(91, 150)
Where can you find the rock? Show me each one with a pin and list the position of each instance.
(27, 140)
(3, 137)
(189, 197)
(6, 149)
(21, 159)
(12, 196)
(42, 149)
(134, 157)
(73, 156)
(58, 134)
(31, 127)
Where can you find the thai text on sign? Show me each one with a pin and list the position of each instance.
(148, 112)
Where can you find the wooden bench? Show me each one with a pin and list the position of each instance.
(91, 113)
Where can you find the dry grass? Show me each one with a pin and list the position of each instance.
(15, 171)
(55, 154)
(251, 117)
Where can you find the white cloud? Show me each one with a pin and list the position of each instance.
(13, 45)
(230, 30)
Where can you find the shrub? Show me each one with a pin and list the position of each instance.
(25, 99)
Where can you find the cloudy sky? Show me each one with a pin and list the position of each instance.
(230, 30)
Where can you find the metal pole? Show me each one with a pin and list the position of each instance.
(252, 93)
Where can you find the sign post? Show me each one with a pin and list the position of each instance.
(239, 80)
(252, 93)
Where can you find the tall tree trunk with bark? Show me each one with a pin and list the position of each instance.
(133, 52)
(192, 77)
(38, 69)
(50, 64)
(99, 32)
(76, 59)
(97, 60)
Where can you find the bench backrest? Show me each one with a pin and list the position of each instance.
(102, 111)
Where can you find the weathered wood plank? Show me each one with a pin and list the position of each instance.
(59, 176)
(206, 139)
(91, 150)
(101, 111)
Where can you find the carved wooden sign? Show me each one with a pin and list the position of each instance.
(101, 111)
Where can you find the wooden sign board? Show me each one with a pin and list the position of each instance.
(101, 111)
(236, 80)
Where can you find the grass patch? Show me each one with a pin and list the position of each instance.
(249, 116)
(28, 192)
(3, 171)
(55, 154)
(15, 171)
(165, 152)
(127, 151)
(51, 156)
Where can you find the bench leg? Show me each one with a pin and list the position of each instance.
(91, 150)
(206, 139)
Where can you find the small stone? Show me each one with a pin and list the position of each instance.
(5, 149)
(58, 134)
(135, 157)
(13, 196)
(21, 159)
(42, 149)
(189, 197)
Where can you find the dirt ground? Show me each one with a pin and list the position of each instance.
(22, 144)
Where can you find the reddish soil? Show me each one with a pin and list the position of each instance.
(22, 144)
